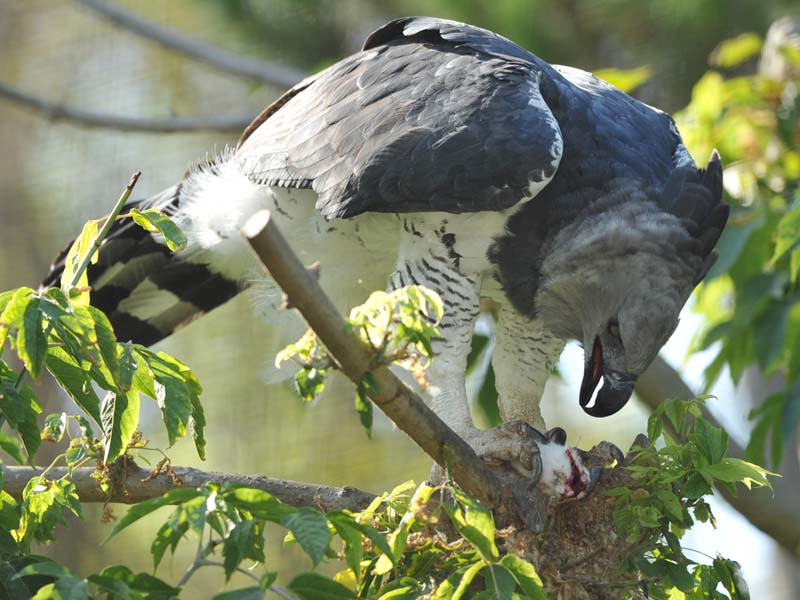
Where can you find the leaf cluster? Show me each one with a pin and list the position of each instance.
(749, 300)
(398, 326)
(672, 482)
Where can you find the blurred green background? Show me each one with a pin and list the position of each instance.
(55, 175)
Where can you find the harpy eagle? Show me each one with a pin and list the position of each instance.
(445, 155)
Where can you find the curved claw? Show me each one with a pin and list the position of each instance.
(557, 435)
(594, 477)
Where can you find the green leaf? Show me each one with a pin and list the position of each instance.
(177, 395)
(154, 221)
(310, 586)
(12, 315)
(769, 330)
(142, 509)
(525, 575)
(197, 423)
(11, 446)
(245, 540)
(680, 577)
(711, 441)
(49, 568)
(457, 583)
(364, 409)
(402, 588)
(475, 523)
(79, 249)
(43, 506)
(787, 235)
(31, 341)
(310, 529)
(155, 588)
(734, 51)
(54, 427)
(19, 406)
(501, 583)
(106, 343)
(142, 379)
(74, 380)
(249, 593)
(120, 417)
(735, 470)
(168, 536)
(261, 504)
(350, 532)
(626, 80)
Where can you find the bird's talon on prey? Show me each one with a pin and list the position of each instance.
(558, 470)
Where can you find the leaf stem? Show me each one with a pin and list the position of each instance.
(196, 563)
(216, 563)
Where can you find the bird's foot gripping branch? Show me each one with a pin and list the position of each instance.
(435, 540)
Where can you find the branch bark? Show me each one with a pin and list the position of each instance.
(60, 112)
(395, 399)
(774, 515)
(218, 58)
(135, 484)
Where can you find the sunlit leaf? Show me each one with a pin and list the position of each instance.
(310, 530)
(120, 418)
(626, 80)
(525, 575)
(154, 221)
(74, 380)
(142, 509)
(310, 586)
(734, 51)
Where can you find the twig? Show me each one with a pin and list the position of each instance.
(60, 112)
(226, 61)
(136, 487)
(281, 592)
(397, 401)
(109, 222)
(196, 563)
(215, 563)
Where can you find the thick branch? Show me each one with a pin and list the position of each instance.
(135, 485)
(59, 112)
(228, 62)
(394, 398)
(776, 516)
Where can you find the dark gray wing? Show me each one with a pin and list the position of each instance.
(431, 116)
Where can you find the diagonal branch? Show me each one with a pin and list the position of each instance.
(776, 516)
(226, 61)
(60, 112)
(137, 484)
(395, 399)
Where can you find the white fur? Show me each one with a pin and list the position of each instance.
(558, 471)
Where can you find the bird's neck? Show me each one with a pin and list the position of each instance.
(553, 225)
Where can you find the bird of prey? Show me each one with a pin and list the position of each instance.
(445, 155)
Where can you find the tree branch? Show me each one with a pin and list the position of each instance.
(224, 60)
(135, 484)
(60, 112)
(395, 399)
(774, 515)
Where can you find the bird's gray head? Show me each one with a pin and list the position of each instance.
(616, 278)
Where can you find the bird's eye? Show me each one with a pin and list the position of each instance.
(613, 329)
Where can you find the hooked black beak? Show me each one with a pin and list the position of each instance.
(617, 387)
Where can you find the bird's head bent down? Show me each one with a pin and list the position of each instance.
(617, 278)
